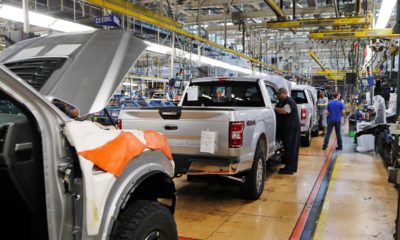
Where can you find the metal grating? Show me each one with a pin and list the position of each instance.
(36, 71)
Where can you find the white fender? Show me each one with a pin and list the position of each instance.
(84, 136)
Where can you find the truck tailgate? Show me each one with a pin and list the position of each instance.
(183, 132)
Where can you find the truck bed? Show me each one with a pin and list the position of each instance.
(182, 126)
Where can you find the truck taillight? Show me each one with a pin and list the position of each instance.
(303, 114)
(236, 134)
(119, 123)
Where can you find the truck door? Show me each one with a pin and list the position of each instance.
(21, 172)
(274, 100)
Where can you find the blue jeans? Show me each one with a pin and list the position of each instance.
(338, 135)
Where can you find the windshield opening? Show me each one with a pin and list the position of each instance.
(224, 94)
(299, 96)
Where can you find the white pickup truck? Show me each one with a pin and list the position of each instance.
(305, 97)
(224, 126)
(70, 179)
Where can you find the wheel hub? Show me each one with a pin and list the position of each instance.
(154, 235)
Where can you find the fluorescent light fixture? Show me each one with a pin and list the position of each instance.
(157, 48)
(384, 13)
(41, 20)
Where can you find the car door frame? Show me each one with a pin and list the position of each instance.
(271, 147)
(50, 121)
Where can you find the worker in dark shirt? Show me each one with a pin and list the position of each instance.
(288, 124)
(335, 110)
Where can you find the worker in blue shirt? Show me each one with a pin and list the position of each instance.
(335, 110)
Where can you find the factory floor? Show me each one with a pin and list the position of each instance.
(360, 203)
(359, 196)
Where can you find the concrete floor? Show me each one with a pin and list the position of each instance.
(359, 196)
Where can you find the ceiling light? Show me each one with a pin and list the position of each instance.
(157, 48)
(41, 20)
(385, 13)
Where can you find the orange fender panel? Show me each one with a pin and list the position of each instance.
(157, 141)
(113, 156)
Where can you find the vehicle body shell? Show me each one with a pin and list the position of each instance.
(69, 213)
(184, 125)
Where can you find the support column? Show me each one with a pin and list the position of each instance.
(171, 74)
(25, 8)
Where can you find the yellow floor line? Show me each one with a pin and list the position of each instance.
(323, 218)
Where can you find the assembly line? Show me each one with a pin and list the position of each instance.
(195, 120)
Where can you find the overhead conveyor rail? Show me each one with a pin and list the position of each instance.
(354, 34)
(323, 72)
(321, 22)
(333, 75)
(156, 19)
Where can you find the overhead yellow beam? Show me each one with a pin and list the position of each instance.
(334, 77)
(275, 8)
(143, 11)
(126, 8)
(354, 34)
(320, 22)
(316, 59)
(327, 72)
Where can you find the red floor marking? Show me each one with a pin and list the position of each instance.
(185, 238)
(301, 222)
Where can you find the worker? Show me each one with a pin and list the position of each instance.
(335, 110)
(379, 108)
(379, 104)
(288, 130)
(322, 102)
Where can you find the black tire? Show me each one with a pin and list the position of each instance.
(253, 186)
(315, 131)
(193, 178)
(393, 157)
(306, 140)
(144, 219)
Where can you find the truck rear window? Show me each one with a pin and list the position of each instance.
(226, 94)
(299, 96)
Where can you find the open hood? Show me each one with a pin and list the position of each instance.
(83, 69)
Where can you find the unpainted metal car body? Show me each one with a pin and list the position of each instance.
(305, 97)
(54, 192)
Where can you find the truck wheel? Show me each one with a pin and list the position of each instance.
(306, 140)
(145, 219)
(315, 132)
(192, 178)
(253, 186)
